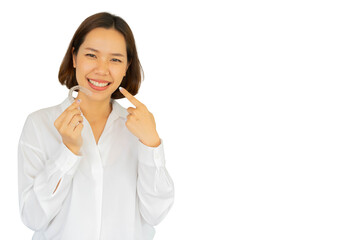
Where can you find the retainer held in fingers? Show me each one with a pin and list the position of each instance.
(80, 88)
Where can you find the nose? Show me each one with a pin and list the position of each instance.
(102, 67)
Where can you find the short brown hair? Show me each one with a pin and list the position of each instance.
(134, 73)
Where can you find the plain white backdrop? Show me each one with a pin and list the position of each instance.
(257, 103)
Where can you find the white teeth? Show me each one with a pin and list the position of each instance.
(98, 84)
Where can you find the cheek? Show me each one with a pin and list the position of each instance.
(87, 66)
(83, 68)
(117, 73)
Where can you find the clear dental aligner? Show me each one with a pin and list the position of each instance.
(80, 88)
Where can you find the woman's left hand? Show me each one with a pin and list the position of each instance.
(141, 122)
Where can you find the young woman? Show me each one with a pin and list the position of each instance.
(89, 168)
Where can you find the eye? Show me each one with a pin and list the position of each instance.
(116, 60)
(90, 55)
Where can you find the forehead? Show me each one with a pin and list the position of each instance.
(105, 40)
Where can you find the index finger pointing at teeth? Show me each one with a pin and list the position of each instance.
(130, 97)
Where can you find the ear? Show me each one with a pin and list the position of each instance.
(73, 57)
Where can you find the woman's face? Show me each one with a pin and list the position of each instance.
(101, 62)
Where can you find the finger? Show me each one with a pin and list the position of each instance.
(131, 117)
(69, 116)
(131, 110)
(78, 128)
(75, 121)
(74, 105)
(130, 97)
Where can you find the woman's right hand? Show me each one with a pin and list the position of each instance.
(70, 124)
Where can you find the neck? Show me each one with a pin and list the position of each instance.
(94, 110)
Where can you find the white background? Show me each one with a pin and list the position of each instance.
(257, 103)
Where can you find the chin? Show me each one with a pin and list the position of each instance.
(100, 97)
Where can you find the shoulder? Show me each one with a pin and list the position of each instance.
(41, 122)
(46, 116)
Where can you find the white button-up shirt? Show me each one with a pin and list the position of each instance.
(116, 189)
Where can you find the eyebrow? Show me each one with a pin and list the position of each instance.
(114, 54)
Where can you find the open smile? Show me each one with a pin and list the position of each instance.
(99, 85)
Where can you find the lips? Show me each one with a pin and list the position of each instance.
(98, 80)
(95, 84)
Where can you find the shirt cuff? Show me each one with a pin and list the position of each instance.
(152, 156)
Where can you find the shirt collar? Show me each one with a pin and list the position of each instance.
(117, 109)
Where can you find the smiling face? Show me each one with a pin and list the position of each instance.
(101, 63)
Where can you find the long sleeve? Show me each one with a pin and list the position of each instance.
(39, 175)
(155, 187)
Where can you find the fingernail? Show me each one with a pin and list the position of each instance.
(120, 88)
